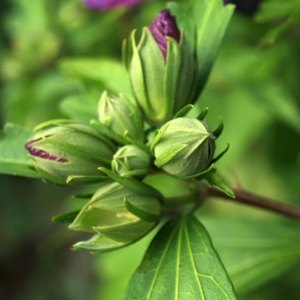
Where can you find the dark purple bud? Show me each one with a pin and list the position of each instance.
(109, 4)
(41, 153)
(162, 26)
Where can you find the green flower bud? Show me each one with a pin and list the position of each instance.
(162, 70)
(61, 149)
(120, 116)
(131, 161)
(119, 214)
(184, 147)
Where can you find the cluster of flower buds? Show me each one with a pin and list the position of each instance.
(131, 139)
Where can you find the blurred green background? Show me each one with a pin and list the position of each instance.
(254, 86)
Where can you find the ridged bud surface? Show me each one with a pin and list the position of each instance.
(69, 149)
(185, 148)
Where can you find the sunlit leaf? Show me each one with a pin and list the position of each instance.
(181, 263)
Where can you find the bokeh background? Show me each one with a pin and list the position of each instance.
(254, 86)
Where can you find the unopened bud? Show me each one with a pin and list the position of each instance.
(162, 70)
(120, 116)
(119, 213)
(61, 149)
(131, 161)
(184, 147)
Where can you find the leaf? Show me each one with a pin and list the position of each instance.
(254, 251)
(140, 213)
(207, 20)
(80, 107)
(134, 184)
(109, 72)
(14, 158)
(63, 218)
(181, 263)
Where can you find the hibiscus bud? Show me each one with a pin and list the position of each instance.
(131, 161)
(120, 116)
(162, 70)
(61, 149)
(119, 214)
(184, 147)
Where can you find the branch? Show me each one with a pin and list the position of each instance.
(255, 200)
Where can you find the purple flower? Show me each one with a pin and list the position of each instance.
(162, 26)
(109, 4)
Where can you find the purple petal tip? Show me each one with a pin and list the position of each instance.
(164, 25)
(43, 154)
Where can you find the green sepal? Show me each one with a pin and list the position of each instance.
(126, 233)
(202, 114)
(221, 154)
(140, 213)
(130, 141)
(186, 87)
(134, 185)
(75, 125)
(126, 53)
(51, 123)
(107, 132)
(198, 176)
(168, 155)
(65, 218)
(136, 173)
(85, 179)
(137, 76)
(183, 111)
(220, 128)
(153, 66)
(215, 180)
(172, 67)
(160, 133)
(98, 244)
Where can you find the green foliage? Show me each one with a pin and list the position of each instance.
(205, 23)
(107, 73)
(262, 250)
(14, 159)
(181, 263)
(255, 88)
(285, 13)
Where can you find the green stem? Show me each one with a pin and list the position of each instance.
(248, 198)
